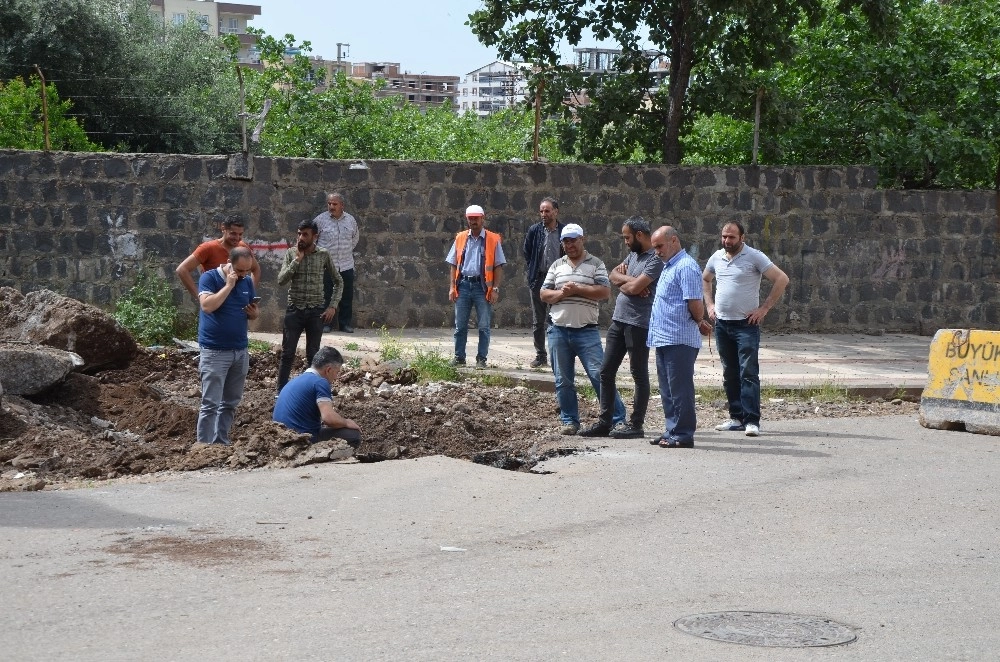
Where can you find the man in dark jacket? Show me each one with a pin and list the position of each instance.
(541, 248)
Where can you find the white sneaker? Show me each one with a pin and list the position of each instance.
(752, 430)
(732, 425)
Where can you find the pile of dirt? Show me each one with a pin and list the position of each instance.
(141, 420)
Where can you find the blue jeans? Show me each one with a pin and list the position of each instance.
(739, 343)
(565, 345)
(296, 321)
(223, 374)
(622, 339)
(472, 294)
(675, 373)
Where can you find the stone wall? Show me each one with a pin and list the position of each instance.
(859, 258)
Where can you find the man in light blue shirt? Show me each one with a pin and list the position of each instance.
(675, 335)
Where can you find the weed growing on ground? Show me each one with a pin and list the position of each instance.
(390, 348)
(432, 366)
(352, 347)
(587, 391)
(147, 310)
(353, 363)
(259, 346)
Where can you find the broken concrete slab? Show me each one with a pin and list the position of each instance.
(963, 385)
(47, 318)
(27, 369)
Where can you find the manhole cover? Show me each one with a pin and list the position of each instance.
(761, 628)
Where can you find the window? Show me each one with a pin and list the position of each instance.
(202, 20)
(178, 18)
(473, 105)
(475, 92)
(231, 26)
(465, 91)
(412, 84)
(410, 97)
(465, 105)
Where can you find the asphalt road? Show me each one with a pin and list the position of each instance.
(879, 524)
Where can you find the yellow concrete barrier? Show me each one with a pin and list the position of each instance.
(963, 382)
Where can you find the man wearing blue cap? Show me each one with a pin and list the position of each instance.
(476, 258)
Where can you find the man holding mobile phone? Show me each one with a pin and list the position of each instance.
(228, 301)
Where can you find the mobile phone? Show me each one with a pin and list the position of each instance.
(255, 300)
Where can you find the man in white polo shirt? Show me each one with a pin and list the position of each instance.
(574, 287)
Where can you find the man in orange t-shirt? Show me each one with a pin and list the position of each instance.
(211, 254)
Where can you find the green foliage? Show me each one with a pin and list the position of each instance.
(432, 366)
(352, 347)
(137, 84)
(390, 347)
(147, 310)
(715, 43)
(718, 140)
(349, 120)
(923, 108)
(23, 125)
(259, 346)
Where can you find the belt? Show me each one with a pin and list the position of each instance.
(472, 279)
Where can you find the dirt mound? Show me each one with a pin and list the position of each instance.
(141, 419)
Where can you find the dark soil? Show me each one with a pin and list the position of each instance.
(141, 420)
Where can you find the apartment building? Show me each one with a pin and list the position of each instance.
(425, 90)
(493, 87)
(215, 18)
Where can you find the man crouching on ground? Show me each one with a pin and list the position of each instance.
(306, 405)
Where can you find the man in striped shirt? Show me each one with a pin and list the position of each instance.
(339, 235)
(574, 287)
(674, 332)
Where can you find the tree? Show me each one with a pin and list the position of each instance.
(925, 111)
(739, 34)
(348, 119)
(134, 83)
(23, 125)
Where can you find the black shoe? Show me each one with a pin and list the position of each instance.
(457, 361)
(596, 430)
(328, 329)
(347, 328)
(539, 361)
(626, 431)
(674, 442)
(480, 364)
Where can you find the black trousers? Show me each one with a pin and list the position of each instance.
(345, 309)
(296, 321)
(625, 339)
(539, 316)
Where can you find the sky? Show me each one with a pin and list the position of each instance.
(423, 37)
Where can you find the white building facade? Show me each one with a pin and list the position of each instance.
(494, 87)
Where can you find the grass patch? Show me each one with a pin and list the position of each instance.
(352, 346)
(353, 363)
(502, 381)
(586, 391)
(827, 392)
(433, 366)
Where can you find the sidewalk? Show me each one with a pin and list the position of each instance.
(867, 365)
